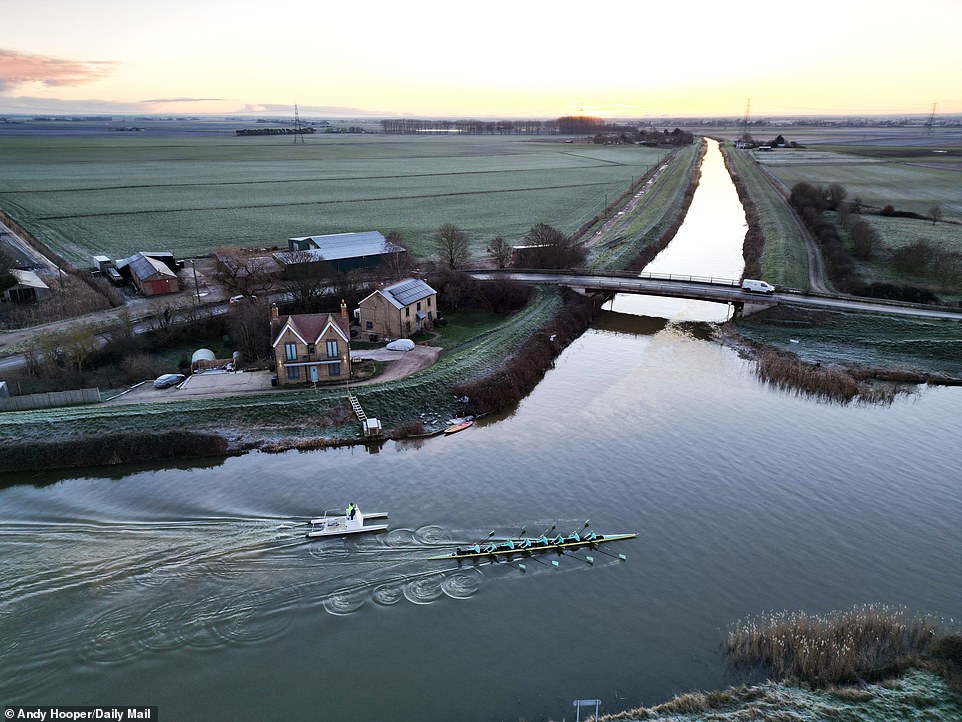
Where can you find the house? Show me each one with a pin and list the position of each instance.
(311, 347)
(28, 288)
(399, 310)
(150, 273)
(336, 253)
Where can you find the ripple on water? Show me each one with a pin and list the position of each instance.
(461, 586)
(349, 598)
(388, 594)
(431, 535)
(399, 537)
(251, 618)
(424, 590)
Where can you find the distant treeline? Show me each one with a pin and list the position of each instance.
(274, 131)
(411, 126)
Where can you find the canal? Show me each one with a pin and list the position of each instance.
(193, 588)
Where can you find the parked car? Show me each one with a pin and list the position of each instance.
(241, 297)
(168, 380)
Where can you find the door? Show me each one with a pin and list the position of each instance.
(314, 374)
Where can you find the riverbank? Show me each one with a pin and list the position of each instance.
(525, 345)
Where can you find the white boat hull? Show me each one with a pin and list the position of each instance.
(342, 525)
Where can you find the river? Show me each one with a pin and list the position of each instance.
(193, 589)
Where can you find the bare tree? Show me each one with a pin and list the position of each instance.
(935, 213)
(245, 273)
(452, 246)
(500, 251)
(396, 264)
(250, 330)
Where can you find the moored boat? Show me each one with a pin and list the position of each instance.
(455, 428)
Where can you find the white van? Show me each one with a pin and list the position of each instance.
(754, 286)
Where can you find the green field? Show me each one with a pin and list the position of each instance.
(188, 193)
(909, 179)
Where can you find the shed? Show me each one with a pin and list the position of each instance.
(28, 288)
(152, 276)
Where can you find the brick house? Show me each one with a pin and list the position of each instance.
(398, 311)
(311, 347)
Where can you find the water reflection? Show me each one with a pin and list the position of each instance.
(708, 243)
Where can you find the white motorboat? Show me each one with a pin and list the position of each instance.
(335, 523)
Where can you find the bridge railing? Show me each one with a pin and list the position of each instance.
(713, 280)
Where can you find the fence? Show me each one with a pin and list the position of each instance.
(47, 400)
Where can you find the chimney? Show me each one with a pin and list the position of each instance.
(274, 312)
(345, 323)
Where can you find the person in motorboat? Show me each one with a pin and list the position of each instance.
(351, 510)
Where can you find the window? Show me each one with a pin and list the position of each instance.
(334, 369)
(369, 325)
(407, 311)
(332, 349)
(293, 372)
(311, 348)
(290, 352)
(429, 302)
(419, 305)
(407, 327)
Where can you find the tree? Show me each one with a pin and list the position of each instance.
(935, 212)
(452, 246)
(547, 247)
(250, 330)
(500, 251)
(836, 196)
(397, 264)
(245, 273)
(865, 239)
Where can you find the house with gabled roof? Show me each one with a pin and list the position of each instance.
(311, 347)
(398, 311)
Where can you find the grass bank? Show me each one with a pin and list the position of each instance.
(775, 250)
(275, 421)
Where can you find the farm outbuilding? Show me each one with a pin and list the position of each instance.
(27, 289)
(153, 274)
(337, 253)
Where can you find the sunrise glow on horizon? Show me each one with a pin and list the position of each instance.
(493, 60)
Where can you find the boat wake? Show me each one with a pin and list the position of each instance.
(117, 591)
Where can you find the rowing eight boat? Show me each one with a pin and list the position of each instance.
(529, 546)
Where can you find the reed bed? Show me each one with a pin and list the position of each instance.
(866, 643)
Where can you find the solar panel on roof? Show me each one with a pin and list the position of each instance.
(408, 292)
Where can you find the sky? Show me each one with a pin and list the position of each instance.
(489, 59)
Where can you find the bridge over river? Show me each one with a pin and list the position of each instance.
(721, 290)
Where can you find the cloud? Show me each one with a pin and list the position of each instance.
(17, 68)
(182, 100)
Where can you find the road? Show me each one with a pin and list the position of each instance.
(721, 290)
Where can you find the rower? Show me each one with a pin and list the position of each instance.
(491, 547)
(543, 540)
(558, 540)
(508, 544)
(591, 536)
(476, 549)
(525, 543)
(573, 536)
